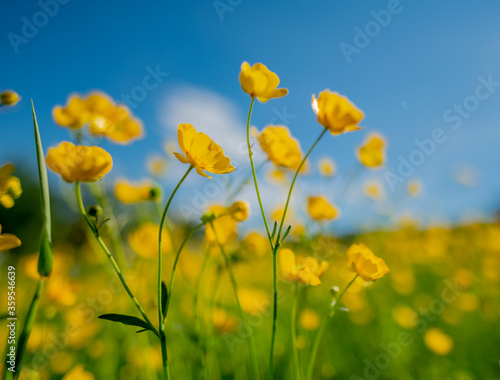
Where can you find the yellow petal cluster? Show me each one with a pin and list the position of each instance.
(307, 270)
(363, 262)
(309, 319)
(437, 341)
(374, 190)
(257, 244)
(281, 148)
(320, 209)
(9, 98)
(260, 82)
(224, 225)
(8, 241)
(372, 152)
(10, 186)
(327, 167)
(103, 116)
(144, 240)
(240, 210)
(78, 373)
(201, 152)
(130, 193)
(336, 113)
(78, 162)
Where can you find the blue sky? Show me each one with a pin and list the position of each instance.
(428, 57)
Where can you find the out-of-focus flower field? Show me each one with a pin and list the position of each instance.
(122, 290)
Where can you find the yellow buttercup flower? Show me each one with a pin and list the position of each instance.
(201, 152)
(10, 186)
(437, 341)
(327, 167)
(129, 193)
(281, 148)
(240, 211)
(307, 270)
(253, 301)
(336, 113)
(144, 240)
(374, 190)
(78, 373)
(257, 244)
(363, 262)
(157, 165)
(371, 153)
(223, 322)
(9, 98)
(225, 226)
(260, 82)
(79, 162)
(8, 241)
(75, 115)
(320, 209)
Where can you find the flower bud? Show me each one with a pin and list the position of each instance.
(95, 211)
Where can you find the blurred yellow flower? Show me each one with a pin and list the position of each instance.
(467, 302)
(240, 210)
(281, 148)
(260, 82)
(8, 241)
(201, 152)
(103, 116)
(404, 316)
(223, 322)
(144, 240)
(79, 163)
(437, 341)
(253, 301)
(129, 193)
(309, 319)
(363, 262)
(9, 98)
(327, 167)
(320, 209)
(374, 190)
(371, 153)
(225, 226)
(157, 165)
(10, 186)
(336, 113)
(78, 373)
(305, 269)
(414, 188)
(257, 244)
(276, 175)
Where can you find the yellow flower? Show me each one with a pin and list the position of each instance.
(201, 152)
(223, 322)
(79, 163)
(74, 115)
(157, 165)
(327, 167)
(144, 240)
(276, 175)
(414, 188)
(225, 226)
(257, 244)
(374, 189)
(305, 269)
(129, 193)
(281, 148)
(9, 98)
(253, 301)
(10, 186)
(320, 209)
(371, 153)
(363, 262)
(404, 316)
(260, 82)
(437, 341)
(78, 373)
(336, 113)
(240, 211)
(309, 319)
(8, 241)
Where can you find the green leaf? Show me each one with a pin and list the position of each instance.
(46, 257)
(286, 233)
(164, 298)
(274, 229)
(126, 320)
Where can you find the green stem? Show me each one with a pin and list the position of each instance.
(294, 333)
(322, 329)
(110, 257)
(28, 325)
(250, 154)
(251, 342)
(275, 254)
(161, 321)
(197, 323)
